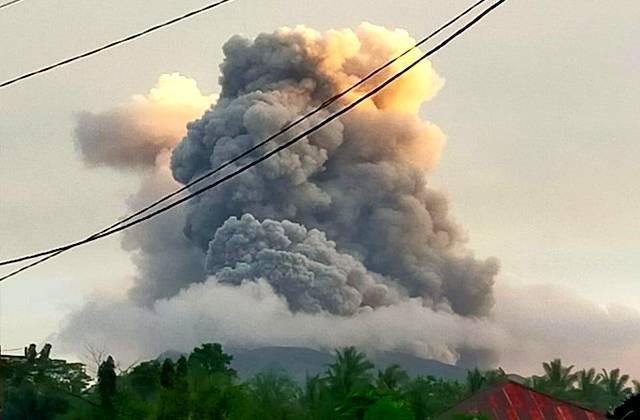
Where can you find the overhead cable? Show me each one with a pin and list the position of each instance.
(112, 44)
(297, 138)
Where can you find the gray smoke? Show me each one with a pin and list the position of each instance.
(140, 135)
(340, 229)
(116, 139)
(299, 264)
(361, 181)
(252, 315)
(133, 135)
(166, 260)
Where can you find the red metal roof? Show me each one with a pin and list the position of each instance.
(513, 401)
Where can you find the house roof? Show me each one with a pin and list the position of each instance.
(511, 400)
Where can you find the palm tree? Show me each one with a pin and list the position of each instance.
(587, 379)
(392, 378)
(428, 397)
(557, 379)
(387, 408)
(313, 398)
(494, 376)
(475, 381)
(107, 378)
(349, 371)
(588, 390)
(615, 386)
(275, 395)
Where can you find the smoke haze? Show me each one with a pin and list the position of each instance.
(529, 324)
(133, 135)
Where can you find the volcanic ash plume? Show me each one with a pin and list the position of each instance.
(133, 135)
(140, 135)
(361, 181)
(301, 265)
(340, 226)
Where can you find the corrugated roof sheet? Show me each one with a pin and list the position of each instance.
(513, 401)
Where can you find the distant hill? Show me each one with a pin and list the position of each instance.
(301, 362)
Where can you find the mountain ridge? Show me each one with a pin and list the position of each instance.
(302, 362)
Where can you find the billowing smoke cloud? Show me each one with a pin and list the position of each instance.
(140, 134)
(253, 315)
(166, 260)
(530, 324)
(361, 181)
(135, 134)
(303, 266)
(337, 240)
(546, 321)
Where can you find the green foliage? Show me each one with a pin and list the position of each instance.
(557, 380)
(216, 397)
(173, 404)
(210, 358)
(145, 379)
(107, 385)
(615, 387)
(476, 380)
(53, 374)
(429, 396)
(587, 388)
(391, 379)
(386, 408)
(275, 396)
(469, 417)
(315, 398)
(166, 374)
(203, 386)
(28, 402)
(350, 372)
(38, 387)
(356, 404)
(182, 368)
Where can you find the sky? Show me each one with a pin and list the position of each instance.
(540, 109)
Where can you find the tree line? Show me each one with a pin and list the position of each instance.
(202, 385)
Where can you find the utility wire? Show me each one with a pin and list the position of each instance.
(9, 3)
(112, 44)
(17, 348)
(266, 156)
(284, 129)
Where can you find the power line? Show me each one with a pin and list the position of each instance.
(264, 157)
(269, 154)
(9, 3)
(283, 130)
(13, 350)
(112, 44)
